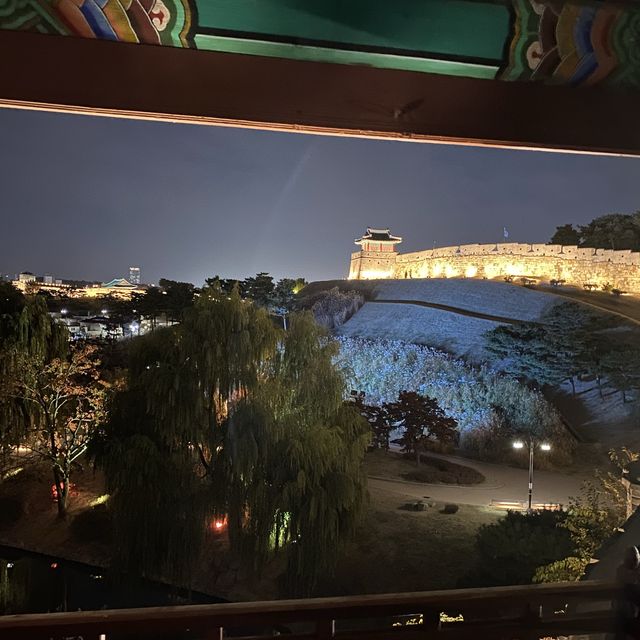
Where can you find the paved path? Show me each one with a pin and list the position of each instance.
(446, 307)
(502, 484)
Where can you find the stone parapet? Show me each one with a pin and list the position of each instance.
(575, 265)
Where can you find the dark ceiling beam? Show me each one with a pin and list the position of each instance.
(163, 83)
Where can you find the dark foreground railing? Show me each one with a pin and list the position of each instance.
(532, 611)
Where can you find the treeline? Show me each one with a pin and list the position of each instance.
(331, 307)
(613, 231)
(171, 298)
(569, 343)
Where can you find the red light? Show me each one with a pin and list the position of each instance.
(219, 524)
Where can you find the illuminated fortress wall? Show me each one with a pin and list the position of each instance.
(577, 266)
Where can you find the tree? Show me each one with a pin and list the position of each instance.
(613, 231)
(421, 419)
(260, 289)
(378, 419)
(226, 285)
(64, 400)
(591, 519)
(526, 352)
(27, 331)
(296, 461)
(569, 340)
(565, 234)
(179, 296)
(223, 415)
(622, 366)
(283, 298)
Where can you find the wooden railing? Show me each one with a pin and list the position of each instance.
(532, 611)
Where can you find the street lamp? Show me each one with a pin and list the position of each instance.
(544, 446)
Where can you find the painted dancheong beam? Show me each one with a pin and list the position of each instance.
(577, 42)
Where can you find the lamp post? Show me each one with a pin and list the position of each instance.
(519, 444)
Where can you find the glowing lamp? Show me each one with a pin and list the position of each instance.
(545, 446)
(219, 524)
(518, 444)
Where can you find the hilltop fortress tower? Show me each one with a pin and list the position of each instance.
(578, 266)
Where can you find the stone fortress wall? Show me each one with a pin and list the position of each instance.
(577, 266)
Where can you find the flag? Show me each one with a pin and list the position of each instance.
(505, 232)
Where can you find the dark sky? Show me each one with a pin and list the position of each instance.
(84, 197)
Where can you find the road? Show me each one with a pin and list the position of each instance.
(502, 483)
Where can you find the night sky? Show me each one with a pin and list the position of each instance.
(84, 197)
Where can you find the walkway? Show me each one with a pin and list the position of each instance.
(444, 307)
(502, 484)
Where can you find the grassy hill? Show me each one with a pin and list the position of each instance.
(457, 334)
(463, 310)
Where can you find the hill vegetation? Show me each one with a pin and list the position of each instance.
(612, 231)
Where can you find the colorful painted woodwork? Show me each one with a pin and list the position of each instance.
(574, 42)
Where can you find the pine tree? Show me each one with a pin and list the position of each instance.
(421, 419)
(565, 234)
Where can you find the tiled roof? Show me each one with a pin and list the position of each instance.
(378, 235)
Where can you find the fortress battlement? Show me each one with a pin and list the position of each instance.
(575, 265)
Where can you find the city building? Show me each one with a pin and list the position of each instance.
(134, 275)
(26, 276)
(118, 287)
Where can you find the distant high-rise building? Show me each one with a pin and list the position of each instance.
(134, 275)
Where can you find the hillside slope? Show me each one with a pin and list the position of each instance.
(482, 296)
(458, 330)
(454, 333)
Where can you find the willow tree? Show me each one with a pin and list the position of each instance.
(163, 447)
(27, 334)
(224, 414)
(295, 451)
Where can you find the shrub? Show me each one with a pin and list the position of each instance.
(92, 525)
(450, 508)
(511, 550)
(11, 510)
(442, 471)
(334, 307)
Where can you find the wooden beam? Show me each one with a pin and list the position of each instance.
(163, 83)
